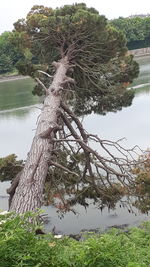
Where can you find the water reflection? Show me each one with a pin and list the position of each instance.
(90, 218)
(19, 113)
(4, 195)
(131, 123)
(144, 76)
(143, 90)
(17, 131)
(15, 94)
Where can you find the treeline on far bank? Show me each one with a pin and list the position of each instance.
(136, 30)
(9, 53)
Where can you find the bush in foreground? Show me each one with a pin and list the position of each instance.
(20, 247)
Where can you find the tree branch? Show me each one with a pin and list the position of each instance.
(76, 120)
(43, 86)
(62, 167)
(120, 167)
(45, 73)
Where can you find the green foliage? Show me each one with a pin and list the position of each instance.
(10, 167)
(133, 28)
(20, 246)
(136, 30)
(142, 184)
(9, 53)
(5, 64)
(96, 50)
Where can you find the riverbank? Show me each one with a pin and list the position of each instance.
(12, 78)
(140, 52)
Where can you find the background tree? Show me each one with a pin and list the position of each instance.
(9, 53)
(136, 30)
(78, 54)
(5, 64)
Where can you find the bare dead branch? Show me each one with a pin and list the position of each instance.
(50, 76)
(68, 80)
(43, 86)
(62, 167)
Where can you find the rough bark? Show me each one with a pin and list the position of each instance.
(11, 190)
(28, 195)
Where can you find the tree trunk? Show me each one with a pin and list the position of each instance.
(28, 195)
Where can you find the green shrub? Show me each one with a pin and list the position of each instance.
(20, 246)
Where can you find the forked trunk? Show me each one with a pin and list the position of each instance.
(28, 195)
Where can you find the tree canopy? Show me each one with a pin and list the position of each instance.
(102, 68)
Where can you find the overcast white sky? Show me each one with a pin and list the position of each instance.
(12, 10)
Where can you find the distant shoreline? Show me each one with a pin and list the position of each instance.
(12, 78)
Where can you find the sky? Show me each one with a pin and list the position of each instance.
(12, 10)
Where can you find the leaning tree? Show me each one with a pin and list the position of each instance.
(81, 64)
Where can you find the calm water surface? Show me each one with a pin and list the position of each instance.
(18, 115)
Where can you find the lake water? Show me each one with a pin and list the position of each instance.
(18, 115)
